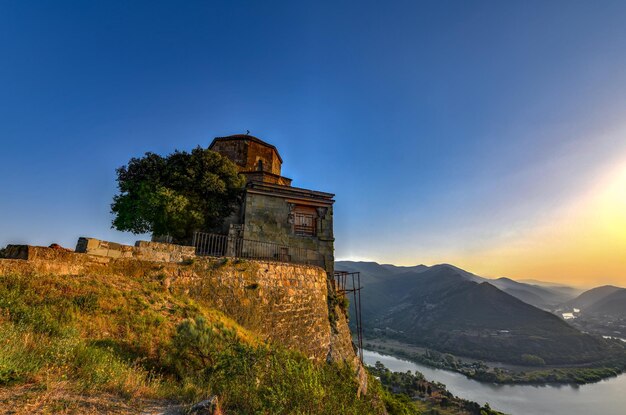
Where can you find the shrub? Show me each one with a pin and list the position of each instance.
(533, 360)
(343, 303)
(261, 379)
(198, 346)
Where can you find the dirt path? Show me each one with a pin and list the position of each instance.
(58, 399)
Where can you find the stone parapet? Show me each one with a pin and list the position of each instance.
(143, 250)
(97, 247)
(27, 259)
(159, 251)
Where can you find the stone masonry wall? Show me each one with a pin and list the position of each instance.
(247, 153)
(143, 250)
(283, 303)
(265, 177)
(267, 220)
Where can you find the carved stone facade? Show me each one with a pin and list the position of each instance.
(272, 210)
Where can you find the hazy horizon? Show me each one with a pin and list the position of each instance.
(489, 135)
(493, 277)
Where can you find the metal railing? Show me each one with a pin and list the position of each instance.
(215, 245)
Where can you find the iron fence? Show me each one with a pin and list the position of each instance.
(216, 245)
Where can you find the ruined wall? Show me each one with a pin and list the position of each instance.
(267, 219)
(282, 303)
(27, 260)
(143, 250)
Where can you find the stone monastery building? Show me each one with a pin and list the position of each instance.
(272, 209)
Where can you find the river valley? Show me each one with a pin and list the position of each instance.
(607, 397)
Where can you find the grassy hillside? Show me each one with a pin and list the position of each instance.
(111, 344)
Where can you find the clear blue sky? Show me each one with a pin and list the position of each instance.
(444, 127)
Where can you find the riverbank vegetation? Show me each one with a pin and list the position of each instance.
(536, 374)
(431, 396)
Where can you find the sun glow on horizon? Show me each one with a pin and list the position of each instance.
(583, 244)
(580, 243)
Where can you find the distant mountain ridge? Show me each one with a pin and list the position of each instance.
(451, 310)
(605, 300)
(542, 296)
(546, 297)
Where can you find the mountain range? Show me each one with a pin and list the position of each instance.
(607, 300)
(451, 310)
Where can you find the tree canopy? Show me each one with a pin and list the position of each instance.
(176, 195)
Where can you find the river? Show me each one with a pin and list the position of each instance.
(607, 397)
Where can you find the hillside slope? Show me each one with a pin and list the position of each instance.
(125, 336)
(479, 320)
(613, 305)
(544, 297)
(594, 297)
(454, 311)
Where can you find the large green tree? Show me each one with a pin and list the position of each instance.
(176, 195)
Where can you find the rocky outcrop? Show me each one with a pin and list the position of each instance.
(209, 406)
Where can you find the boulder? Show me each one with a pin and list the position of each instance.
(207, 407)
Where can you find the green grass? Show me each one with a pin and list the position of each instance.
(132, 338)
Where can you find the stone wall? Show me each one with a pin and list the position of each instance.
(283, 303)
(143, 250)
(26, 259)
(263, 176)
(267, 219)
(98, 247)
(246, 151)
